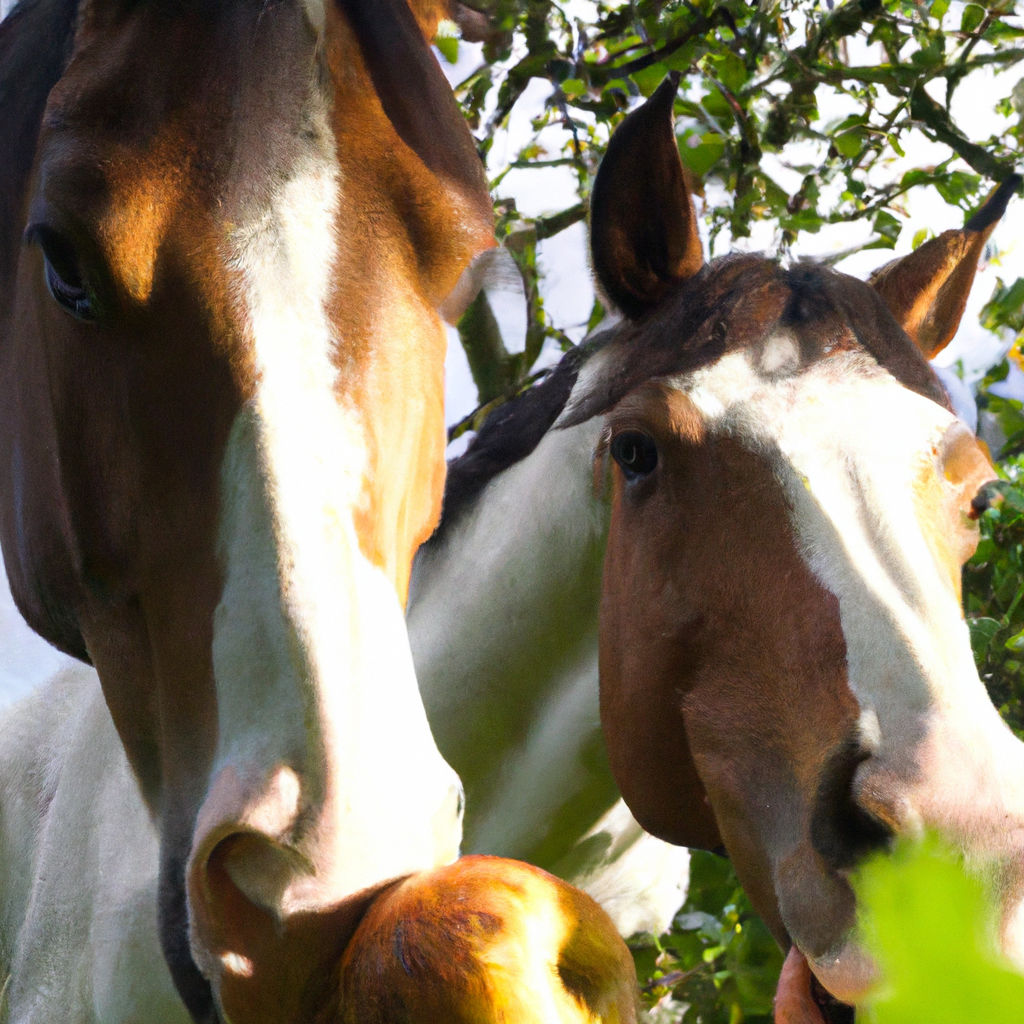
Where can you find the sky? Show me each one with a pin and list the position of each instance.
(26, 660)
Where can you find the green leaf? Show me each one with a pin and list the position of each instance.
(449, 47)
(717, 105)
(573, 87)
(938, 9)
(684, 57)
(1009, 414)
(650, 78)
(973, 16)
(701, 152)
(957, 186)
(922, 236)
(1005, 307)
(731, 71)
(853, 121)
(887, 226)
(927, 925)
(803, 220)
(914, 177)
(1014, 498)
(850, 143)
(982, 631)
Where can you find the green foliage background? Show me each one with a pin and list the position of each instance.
(753, 77)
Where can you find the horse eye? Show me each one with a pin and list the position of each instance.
(63, 274)
(636, 453)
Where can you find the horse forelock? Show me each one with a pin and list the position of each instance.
(735, 303)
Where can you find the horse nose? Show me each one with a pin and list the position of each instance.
(843, 830)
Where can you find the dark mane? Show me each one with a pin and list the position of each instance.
(512, 431)
(35, 44)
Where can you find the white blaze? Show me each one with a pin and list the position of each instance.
(323, 741)
(874, 495)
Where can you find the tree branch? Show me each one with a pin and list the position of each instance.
(924, 108)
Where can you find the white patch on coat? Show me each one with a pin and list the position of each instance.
(780, 354)
(861, 460)
(323, 741)
(640, 882)
(78, 858)
(869, 732)
(316, 12)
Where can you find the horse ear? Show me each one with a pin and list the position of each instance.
(926, 291)
(417, 98)
(643, 227)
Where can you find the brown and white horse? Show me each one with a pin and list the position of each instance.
(784, 664)
(781, 628)
(225, 233)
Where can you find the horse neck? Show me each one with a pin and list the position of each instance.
(503, 607)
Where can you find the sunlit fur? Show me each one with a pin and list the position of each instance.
(780, 625)
(480, 942)
(305, 643)
(213, 487)
(879, 506)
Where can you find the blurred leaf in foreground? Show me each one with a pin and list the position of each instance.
(930, 929)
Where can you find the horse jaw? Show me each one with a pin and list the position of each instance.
(880, 514)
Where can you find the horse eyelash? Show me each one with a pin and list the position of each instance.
(600, 463)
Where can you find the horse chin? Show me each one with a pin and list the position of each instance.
(801, 998)
(847, 973)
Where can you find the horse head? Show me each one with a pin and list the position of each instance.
(227, 230)
(784, 661)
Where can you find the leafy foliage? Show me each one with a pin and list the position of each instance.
(993, 597)
(929, 928)
(719, 964)
(754, 77)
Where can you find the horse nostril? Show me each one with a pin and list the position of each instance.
(842, 831)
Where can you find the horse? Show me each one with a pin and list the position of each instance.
(227, 234)
(774, 594)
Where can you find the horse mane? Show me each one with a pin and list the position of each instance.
(694, 326)
(674, 339)
(512, 431)
(35, 45)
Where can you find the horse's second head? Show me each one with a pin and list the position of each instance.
(226, 232)
(785, 666)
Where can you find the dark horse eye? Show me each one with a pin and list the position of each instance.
(636, 453)
(63, 276)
